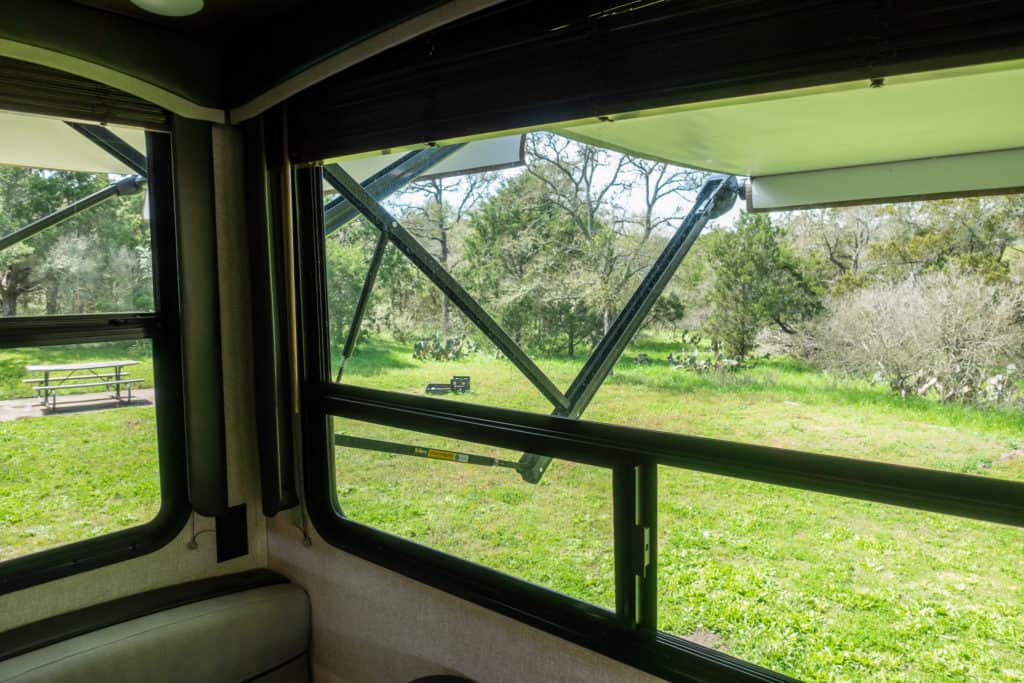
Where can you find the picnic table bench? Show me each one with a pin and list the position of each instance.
(110, 374)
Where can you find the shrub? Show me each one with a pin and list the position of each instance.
(692, 358)
(947, 334)
(438, 348)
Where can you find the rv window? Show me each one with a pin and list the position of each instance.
(90, 415)
(864, 332)
(805, 583)
(468, 500)
(736, 370)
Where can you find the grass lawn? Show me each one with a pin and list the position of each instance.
(819, 587)
(69, 477)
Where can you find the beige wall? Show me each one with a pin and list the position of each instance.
(371, 625)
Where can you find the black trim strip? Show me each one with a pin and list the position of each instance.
(288, 662)
(607, 445)
(59, 628)
(76, 329)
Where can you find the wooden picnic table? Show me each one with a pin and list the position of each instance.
(80, 375)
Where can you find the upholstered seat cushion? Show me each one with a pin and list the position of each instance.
(254, 635)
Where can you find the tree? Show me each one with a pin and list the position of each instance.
(15, 276)
(97, 260)
(758, 281)
(401, 304)
(971, 234)
(439, 208)
(841, 243)
(515, 262)
(616, 240)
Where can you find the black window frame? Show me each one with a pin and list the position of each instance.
(162, 327)
(629, 634)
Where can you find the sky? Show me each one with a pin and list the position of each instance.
(633, 201)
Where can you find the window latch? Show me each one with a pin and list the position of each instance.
(641, 550)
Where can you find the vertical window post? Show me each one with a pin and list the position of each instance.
(635, 501)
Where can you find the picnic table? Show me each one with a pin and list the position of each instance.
(109, 373)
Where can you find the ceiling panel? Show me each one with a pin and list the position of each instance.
(216, 14)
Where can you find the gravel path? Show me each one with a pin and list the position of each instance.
(19, 408)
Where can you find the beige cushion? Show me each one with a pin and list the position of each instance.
(232, 638)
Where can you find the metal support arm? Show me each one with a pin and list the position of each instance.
(365, 204)
(342, 439)
(361, 303)
(113, 145)
(382, 184)
(125, 186)
(716, 196)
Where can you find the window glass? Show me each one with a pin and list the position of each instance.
(84, 464)
(98, 260)
(826, 588)
(892, 333)
(347, 253)
(889, 333)
(557, 533)
(397, 348)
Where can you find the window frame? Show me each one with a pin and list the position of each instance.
(162, 327)
(630, 633)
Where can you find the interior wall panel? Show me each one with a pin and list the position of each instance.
(371, 625)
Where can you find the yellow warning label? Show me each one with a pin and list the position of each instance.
(440, 455)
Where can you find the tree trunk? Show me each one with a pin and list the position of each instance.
(10, 302)
(51, 299)
(446, 316)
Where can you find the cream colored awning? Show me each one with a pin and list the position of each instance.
(940, 113)
(946, 116)
(43, 142)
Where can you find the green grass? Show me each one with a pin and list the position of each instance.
(69, 477)
(778, 402)
(819, 587)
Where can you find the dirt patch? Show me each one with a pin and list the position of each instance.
(1012, 456)
(706, 638)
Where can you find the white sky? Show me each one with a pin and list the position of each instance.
(632, 202)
